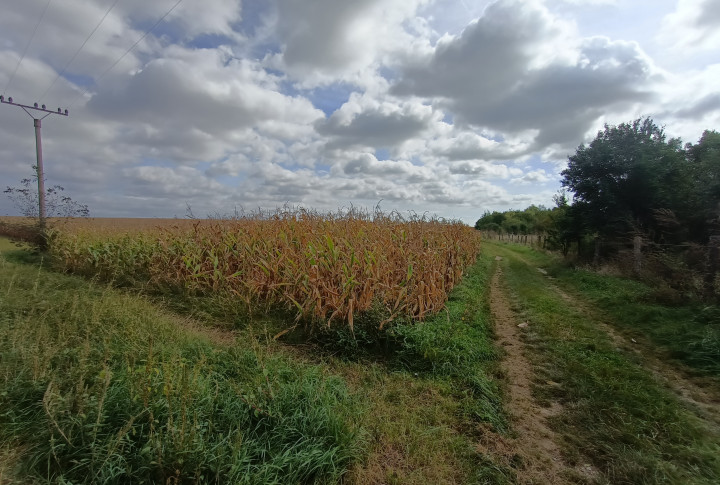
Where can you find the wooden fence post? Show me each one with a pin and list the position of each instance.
(637, 254)
(596, 255)
(713, 266)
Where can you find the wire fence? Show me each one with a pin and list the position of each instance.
(688, 267)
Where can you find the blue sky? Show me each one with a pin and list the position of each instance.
(452, 107)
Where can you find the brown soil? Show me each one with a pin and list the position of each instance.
(535, 452)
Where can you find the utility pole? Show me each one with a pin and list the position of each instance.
(38, 150)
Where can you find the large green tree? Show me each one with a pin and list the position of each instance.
(704, 201)
(625, 176)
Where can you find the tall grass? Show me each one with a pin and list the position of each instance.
(101, 387)
(323, 268)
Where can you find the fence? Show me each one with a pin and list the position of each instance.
(689, 267)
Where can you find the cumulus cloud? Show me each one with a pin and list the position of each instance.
(199, 102)
(324, 40)
(367, 121)
(504, 73)
(533, 177)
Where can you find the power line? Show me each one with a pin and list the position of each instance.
(26, 46)
(147, 32)
(78, 51)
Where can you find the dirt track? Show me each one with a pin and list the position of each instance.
(534, 442)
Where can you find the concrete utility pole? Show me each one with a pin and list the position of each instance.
(38, 148)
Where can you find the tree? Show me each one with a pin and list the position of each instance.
(25, 199)
(704, 158)
(491, 221)
(626, 174)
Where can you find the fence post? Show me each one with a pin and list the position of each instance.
(713, 266)
(596, 255)
(637, 254)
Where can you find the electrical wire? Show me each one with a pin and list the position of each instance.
(42, 15)
(78, 51)
(147, 32)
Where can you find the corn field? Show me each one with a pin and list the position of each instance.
(325, 268)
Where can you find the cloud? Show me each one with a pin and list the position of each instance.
(506, 73)
(705, 105)
(367, 121)
(451, 107)
(533, 177)
(197, 103)
(484, 170)
(326, 40)
(591, 2)
(694, 25)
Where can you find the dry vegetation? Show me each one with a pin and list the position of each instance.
(325, 268)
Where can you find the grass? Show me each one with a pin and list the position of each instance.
(689, 333)
(615, 414)
(440, 397)
(102, 385)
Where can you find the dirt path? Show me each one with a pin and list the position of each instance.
(704, 401)
(535, 442)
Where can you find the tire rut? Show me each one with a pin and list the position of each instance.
(535, 443)
(703, 402)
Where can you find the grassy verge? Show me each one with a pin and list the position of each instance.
(436, 396)
(102, 385)
(615, 414)
(98, 386)
(689, 333)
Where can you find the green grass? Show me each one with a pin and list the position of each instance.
(615, 414)
(689, 333)
(98, 386)
(457, 345)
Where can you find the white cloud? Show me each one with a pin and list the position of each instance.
(368, 121)
(533, 177)
(695, 24)
(326, 40)
(505, 72)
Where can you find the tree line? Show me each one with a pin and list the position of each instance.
(631, 180)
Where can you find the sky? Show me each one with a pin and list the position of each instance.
(444, 107)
